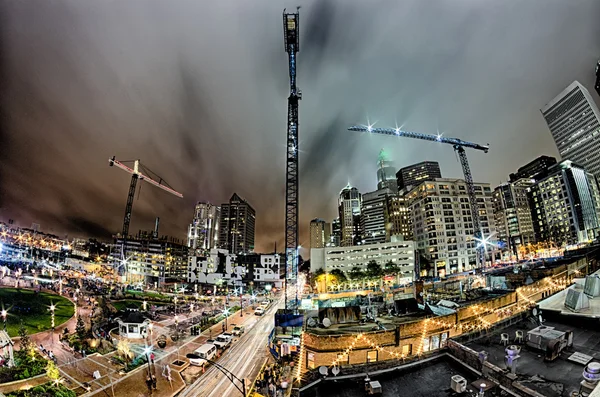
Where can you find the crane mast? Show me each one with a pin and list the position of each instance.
(291, 37)
(459, 146)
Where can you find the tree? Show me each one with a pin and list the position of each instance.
(339, 276)
(391, 269)
(26, 344)
(356, 274)
(52, 371)
(315, 276)
(80, 328)
(374, 270)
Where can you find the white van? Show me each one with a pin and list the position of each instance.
(205, 352)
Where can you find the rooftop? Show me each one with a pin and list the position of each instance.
(552, 379)
(426, 379)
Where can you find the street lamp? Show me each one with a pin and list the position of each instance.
(144, 305)
(4, 313)
(147, 352)
(226, 313)
(52, 307)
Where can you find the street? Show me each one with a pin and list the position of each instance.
(243, 359)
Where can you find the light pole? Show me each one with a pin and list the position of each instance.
(241, 302)
(226, 313)
(52, 307)
(150, 327)
(4, 314)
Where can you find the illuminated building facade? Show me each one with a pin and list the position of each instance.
(372, 216)
(574, 121)
(203, 232)
(346, 258)
(398, 220)
(349, 212)
(320, 233)
(413, 175)
(443, 227)
(565, 204)
(237, 225)
(512, 215)
(152, 260)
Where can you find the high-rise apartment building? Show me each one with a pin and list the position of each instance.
(372, 216)
(574, 121)
(349, 210)
(320, 233)
(203, 232)
(237, 226)
(386, 173)
(151, 260)
(413, 175)
(398, 220)
(512, 215)
(531, 169)
(443, 226)
(565, 204)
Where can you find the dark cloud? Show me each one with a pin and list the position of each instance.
(198, 91)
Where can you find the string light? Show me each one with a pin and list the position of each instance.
(523, 303)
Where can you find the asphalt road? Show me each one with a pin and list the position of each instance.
(243, 358)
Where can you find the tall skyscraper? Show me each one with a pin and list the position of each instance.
(398, 220)
(336, 233)
(414, 174)
(320, 232)
(512, 214)
(443, 227)
(237, 226)
(203, 231)
(598, 77)
(574, 121)
(386, 173)
(349, 210)
(565, 204)
(372, 216)
(531, 169)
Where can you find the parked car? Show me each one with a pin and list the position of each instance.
(205, 352)
(238, 330)
(259, 311)
(222, 341)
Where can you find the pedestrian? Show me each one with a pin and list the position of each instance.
(154, 382)
(152, 357)
(149, 384)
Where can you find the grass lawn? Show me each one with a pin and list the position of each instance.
(33, 309)
(120, 305)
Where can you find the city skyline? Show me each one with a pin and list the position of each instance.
(208, 114)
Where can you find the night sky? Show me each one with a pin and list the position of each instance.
(198, 91)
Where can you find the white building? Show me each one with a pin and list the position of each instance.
(345, 258)
(443, 226)
(349, 211)
(574, 121)
(203, 232)
(235, 270)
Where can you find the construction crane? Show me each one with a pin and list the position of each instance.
(291, 36)
(136, 175)
(459, 146)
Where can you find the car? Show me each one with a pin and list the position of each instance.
(228, 335)
(259, 311)
(205, 352)
(238, 330)
(265, 304)
(222, 341)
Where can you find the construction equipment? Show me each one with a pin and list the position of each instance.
(459, 146)
(291, 36)
(136, 175)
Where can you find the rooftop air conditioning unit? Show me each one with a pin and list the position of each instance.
(592, 286)
(458, 384)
